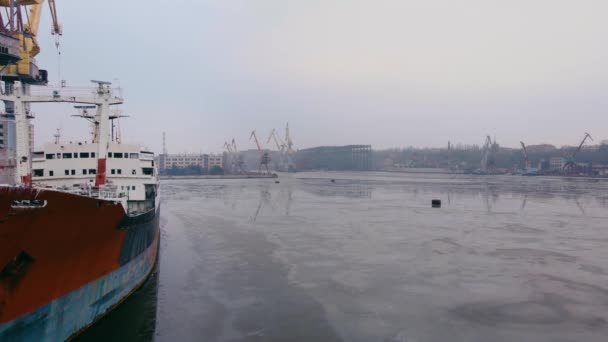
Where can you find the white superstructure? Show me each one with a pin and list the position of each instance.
(102, 168)
(128, 167)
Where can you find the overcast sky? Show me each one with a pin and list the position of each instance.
(391, 73)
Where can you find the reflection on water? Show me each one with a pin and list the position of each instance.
(366, 258)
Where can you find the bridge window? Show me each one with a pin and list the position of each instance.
(73, 172)
(67, 156)
(51, 173)
(109, 154)
(119, 171)
(148, 171)
(92, 154)
(117, 154)
(38, 172)
(92, 171)
(134, 155)
(84, 171)
(50, 156)
(113, 171)
(67, 172)
(84, 154)
(133, 172)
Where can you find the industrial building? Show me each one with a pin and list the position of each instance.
(172, 161)
(215, 160)
(556, 163)
(335, 158)
(8, 146)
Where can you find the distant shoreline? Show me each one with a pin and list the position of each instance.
(249, 176)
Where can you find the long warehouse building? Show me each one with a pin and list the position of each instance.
(335, 158)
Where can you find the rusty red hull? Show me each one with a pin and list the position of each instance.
(65, 243)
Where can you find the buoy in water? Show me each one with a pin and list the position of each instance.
(436, 203)
(276, 182)
(333, 180)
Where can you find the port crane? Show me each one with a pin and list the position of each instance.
(235, 157)
(19, 26)
(228, 147)
(277, 140)
(289, 150)
(288, 141)
(236, 150)
(526, 158)
(485, 155)
(264, 156)
(240, 162)
(570, 165)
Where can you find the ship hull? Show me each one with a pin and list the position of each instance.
(68, 261)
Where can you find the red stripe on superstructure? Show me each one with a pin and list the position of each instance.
(26, 180)
(72, 241)
(100, 177)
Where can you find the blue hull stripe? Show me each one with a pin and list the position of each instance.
(62, 318)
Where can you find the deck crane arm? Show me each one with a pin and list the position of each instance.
(56, 28)
(228, 147)
(25, 31)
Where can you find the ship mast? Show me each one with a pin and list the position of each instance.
(102, 99)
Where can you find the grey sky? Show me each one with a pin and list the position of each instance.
(385, 72)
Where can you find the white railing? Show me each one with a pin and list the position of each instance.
(54, 91)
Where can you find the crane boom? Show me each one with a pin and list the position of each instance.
(523, 146)
(526, 159)
(234, 146)
(257, 143)
(587, 135)
(228, 147)
(486, 154)
(56, 28)
(277, 140)
(288, 141)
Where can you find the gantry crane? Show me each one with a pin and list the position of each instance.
(570, 164)
(264, 157)
(19, 25)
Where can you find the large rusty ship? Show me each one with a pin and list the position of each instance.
(79, 221)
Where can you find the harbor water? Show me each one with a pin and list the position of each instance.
(367, 258)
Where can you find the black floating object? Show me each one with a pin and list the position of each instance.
(333, 180)
(436, 203)
(276, 182)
